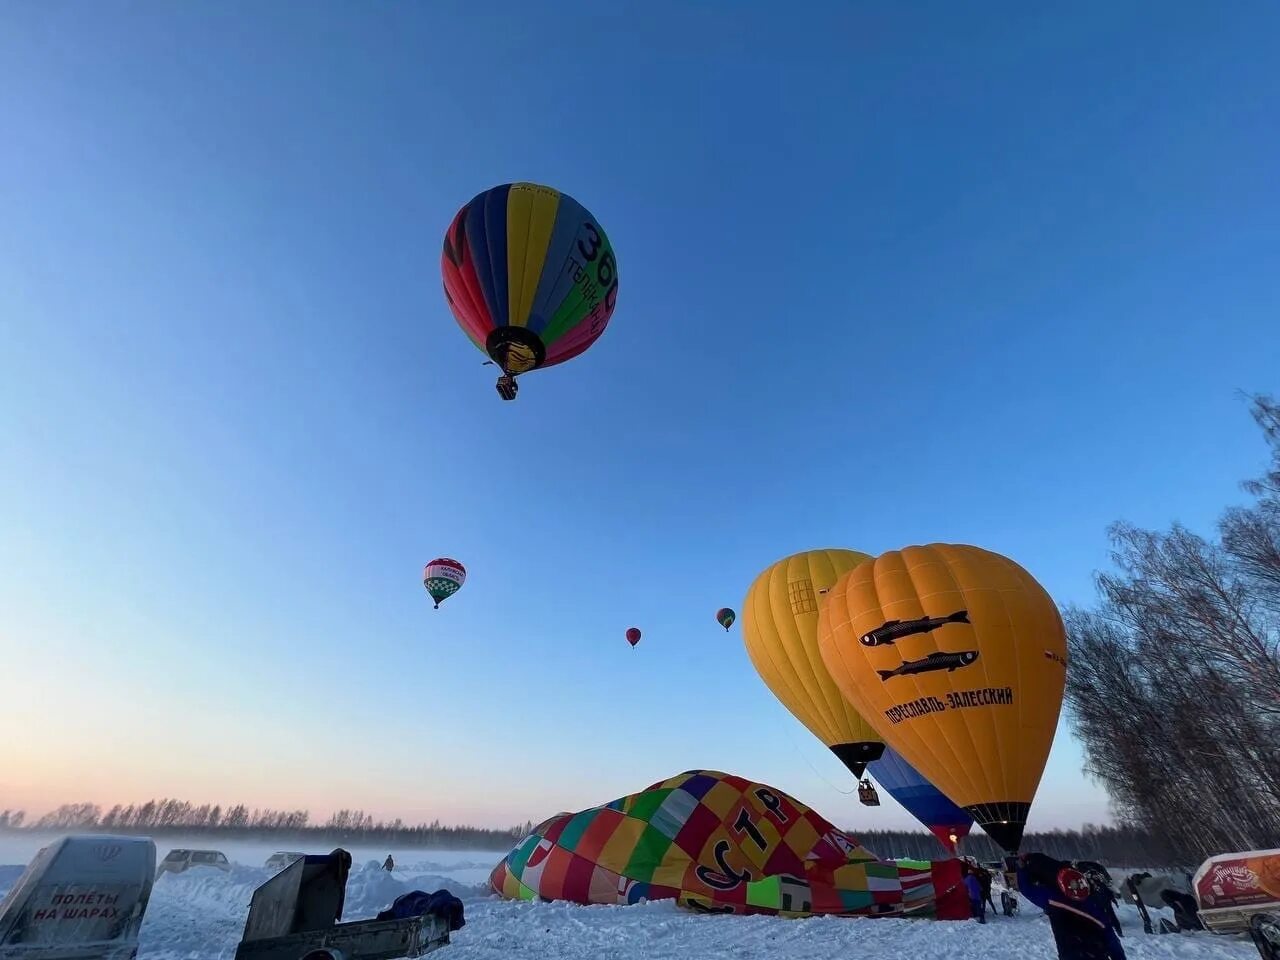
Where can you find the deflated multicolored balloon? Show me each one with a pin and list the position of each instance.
(443, 578)
(633, 636)
(714, 843)
(530, 277)
(725, 617)
(957, 656)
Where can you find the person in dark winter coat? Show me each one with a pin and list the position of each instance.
(977, 906)
(1099, 878)
(1079, 914)
(388, 864)
(984, 881)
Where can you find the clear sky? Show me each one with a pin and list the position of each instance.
(890, 273)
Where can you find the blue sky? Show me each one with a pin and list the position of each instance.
(889, 273)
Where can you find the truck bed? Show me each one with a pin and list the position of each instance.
(357, 939)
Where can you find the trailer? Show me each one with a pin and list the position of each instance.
(297, 915)
(1232, 887)
(82, 898)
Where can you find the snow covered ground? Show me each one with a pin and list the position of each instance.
(471, 866)
(199, 915)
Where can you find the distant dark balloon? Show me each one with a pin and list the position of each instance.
(725, 617)
(633, 636)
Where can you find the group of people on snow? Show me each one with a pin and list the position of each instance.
(1078, 899)
(977, 882)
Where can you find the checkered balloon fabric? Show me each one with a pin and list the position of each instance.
(712, 842)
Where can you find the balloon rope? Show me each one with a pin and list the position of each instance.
(817, 773)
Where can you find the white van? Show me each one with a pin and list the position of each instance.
(181, 860)
(281, 859)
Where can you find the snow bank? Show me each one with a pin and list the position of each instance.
(371, 889)
(200, 914)
(661, 931)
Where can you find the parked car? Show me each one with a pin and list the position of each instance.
(182, 860)
(281, 859)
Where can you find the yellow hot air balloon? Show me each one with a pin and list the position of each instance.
(958, 658)
(780, 629)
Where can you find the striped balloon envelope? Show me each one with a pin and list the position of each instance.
(530, 276)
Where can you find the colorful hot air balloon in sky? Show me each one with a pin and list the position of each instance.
(443, 578)
(633, 636)
(725, 617)
(921, 799)
(530, 277)
(958, 658)
(780, 630)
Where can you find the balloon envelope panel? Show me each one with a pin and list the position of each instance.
(920, 798)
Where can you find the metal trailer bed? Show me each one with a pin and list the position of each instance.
(296, 916)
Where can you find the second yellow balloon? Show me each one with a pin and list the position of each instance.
(780, 630)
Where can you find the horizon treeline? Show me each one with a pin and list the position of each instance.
(1174, 682)
(168, 816)
(1123, 846)
(1115, 846)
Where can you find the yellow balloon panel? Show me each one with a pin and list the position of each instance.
(957, 657)
(780, 630)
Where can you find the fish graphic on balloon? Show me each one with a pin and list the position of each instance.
(891, 631)
(934, 661)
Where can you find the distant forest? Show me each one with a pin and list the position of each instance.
(1121, 846)
(1117, 846)
(178, 817)
(1174, 685)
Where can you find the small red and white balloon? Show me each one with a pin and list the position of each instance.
(442, 578)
